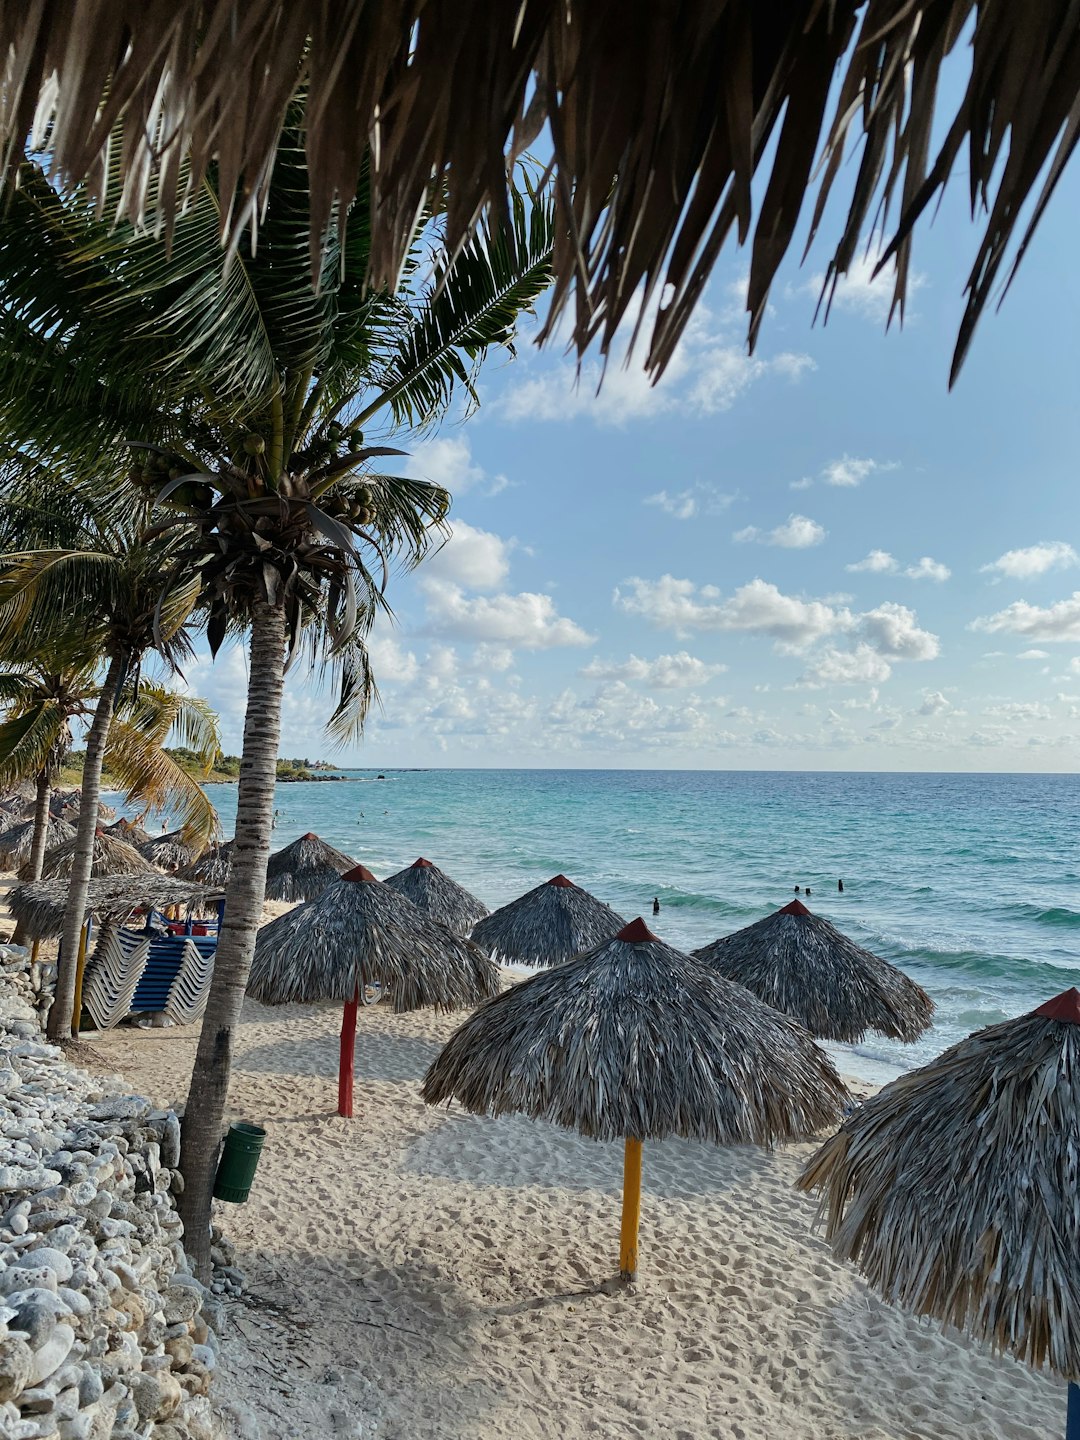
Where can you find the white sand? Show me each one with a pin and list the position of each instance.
(420, 1275)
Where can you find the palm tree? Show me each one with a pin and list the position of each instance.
(243, 397)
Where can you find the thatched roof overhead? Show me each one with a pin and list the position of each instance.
(303, 870)
(212, 866)
(801, 964)
(548, 924)
(171, 851)
(15, 842)
(128, 830)
(633, 1038)
(39, 908)
(438, 896)
(955, 1188)
(111, 857)
(660, 118)
(361, 932)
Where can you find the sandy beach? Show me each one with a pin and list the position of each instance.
(415, 1274)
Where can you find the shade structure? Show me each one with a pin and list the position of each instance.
(432, 890)
(634, 1040)
(548, 924)
(303, 870)
(360, 932)
(212, 866)
(39, 908)
(111, 857)
(129, 830)
(801, 964)
(954, 1189)
(16, 840)
(172, 851)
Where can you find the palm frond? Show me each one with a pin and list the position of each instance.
(151, 777)
(29, 742)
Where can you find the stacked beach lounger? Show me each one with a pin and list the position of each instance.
(133, 971)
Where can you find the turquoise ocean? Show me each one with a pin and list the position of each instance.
(970, 883)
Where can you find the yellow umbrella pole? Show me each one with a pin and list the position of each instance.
(631, 1209)
(80, 966)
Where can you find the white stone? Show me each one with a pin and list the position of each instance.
(50, 1258)
(52, 1354)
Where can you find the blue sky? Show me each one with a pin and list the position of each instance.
(815, 558)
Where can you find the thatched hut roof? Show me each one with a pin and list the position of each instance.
(547, 925)
(15, 842)
(303, 870)
(172, 851)
(438, 896)
(212, 866)
(360, 932)
(39, 908)
(661, 130)
(111, 857)
(128, 830)
(954, 1189)
(799, 963)
(634, 1038)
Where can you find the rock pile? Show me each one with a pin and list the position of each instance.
(104, 1335)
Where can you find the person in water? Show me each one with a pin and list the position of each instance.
(806, 892)
(655, 906)
(797, 890)
(840, 886)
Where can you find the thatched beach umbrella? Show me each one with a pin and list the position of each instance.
(360, 932)
(438, 896)
(546, 925)
(111, 857)
(212, 866)
(635, 1041)
(954, 1189)
(129, 830)
(16, 841)
(39, 907)
(303, 870)
(805, 967)
(171, 851)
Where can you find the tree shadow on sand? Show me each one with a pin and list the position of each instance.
(379, 1056)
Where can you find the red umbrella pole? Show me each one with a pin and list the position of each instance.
(345, 1064)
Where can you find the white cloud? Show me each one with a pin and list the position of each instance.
(804, 484)
(389, 662)
(1019, 710)
(474, 558)
(696, 500)
(524, 622)
(934, 703)
(878, 562)
(893, 631)
(666, 672)
(1034, 655)
(859, 292)
(1034, 560)
(861, 666)
(849, 471)
(1060, 621)
(757, 608)
(927, 569)
(447, 461)
(798, 532)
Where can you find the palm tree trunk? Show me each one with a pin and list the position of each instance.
(62, 1024)
(40, 835)
(244, 895)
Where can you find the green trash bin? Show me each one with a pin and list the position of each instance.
(239, 1159)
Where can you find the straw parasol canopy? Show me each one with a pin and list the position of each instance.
(129, 830)
(303, 870)
(438, 896)
(360, 932)
(954, 1188)
(212, 866)
(16, 841)
(111, 857)
(171, 851)
(802, 965)
(547, 925)
(634, 1040)
(39, 908)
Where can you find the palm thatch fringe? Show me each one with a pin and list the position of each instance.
(129, 830)
(360, 932)
(303, 870)
(805, 967)
(661, 129)
(111, 857)
(172, 851)
(39, 908)
(438, 896)
(212, 866)
(633, 1038)
(547, 925)
(954, 1189)
(16, 841)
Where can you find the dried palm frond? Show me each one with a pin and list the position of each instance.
(633, 1038)
(547, 925)
(954, 1189)
(359, 932)
(212, 866)
(303, 870)
(111, 857)
(172, 851)
(801, 964)
(663, 122)
(15, 842)
(39, 908)
(438, 896)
